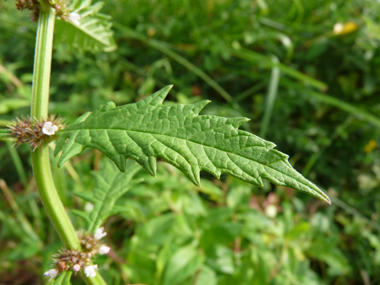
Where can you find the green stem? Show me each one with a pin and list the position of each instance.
(50, 198)
(42, 64)
(41, 156)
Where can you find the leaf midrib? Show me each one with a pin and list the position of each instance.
(139, 131)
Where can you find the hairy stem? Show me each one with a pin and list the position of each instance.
(41, 156)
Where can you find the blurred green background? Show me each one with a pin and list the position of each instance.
(305, 72)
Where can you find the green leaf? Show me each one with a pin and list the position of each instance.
(92, 31)
(83, 215)
(207, 276)
(5, 135)
(221, 258)
(111, 184)
(183, 264)
(147, 130)
(8, 105)
(24, 251)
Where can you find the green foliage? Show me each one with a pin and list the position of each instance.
(325, 115)
(230, 242)
(148, 130)
(92, 31)
(110, 185)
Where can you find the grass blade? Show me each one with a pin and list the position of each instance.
(18, 164)
(271, 97)
(329, 99)
(268, 63)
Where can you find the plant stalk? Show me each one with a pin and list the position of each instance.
(41, 156)
(39, 110)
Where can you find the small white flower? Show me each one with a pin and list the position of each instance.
(74, 18)
(51, 273)
(104, 249)
(99, 233)
(338, 28)
(88, 207)
(49, 129)
(90, 270)
(271, 211)
(76, 267)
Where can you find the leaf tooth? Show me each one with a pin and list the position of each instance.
(83, 118)
(192, 173)
(105, 107)
(255, 180)
(120, 162)
(259, 140)
(237, 122)
(214, 171)
(69, 152)
(157, 98)
(195, 173)
(149, 164)
(198, 106)
(152, 165)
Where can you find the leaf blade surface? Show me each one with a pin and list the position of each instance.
(91, 32)
(147, 130)
(110, 186)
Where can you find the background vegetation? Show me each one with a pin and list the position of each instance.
(310, 88)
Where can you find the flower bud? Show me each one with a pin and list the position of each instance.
(51, 273)
(99, 233)
(90, 270)
(76, 267)
(74, 18)
(104, 249)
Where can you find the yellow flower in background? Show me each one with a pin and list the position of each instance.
(342, 29)
(371, 145)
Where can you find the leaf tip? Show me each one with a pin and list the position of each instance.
(321, 195)
(61, 162)
(167, 88)
(318, 193)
